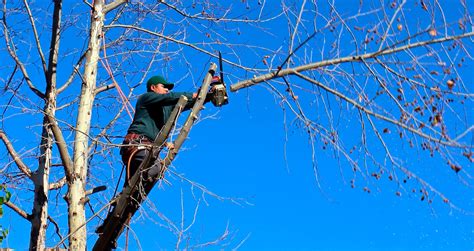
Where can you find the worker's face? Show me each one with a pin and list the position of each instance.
(159, 88)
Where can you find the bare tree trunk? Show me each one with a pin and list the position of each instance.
(39, 215)
(77, 176)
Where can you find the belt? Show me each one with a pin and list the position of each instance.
(137, 137)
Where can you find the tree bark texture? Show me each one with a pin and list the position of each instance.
(39, 214)
(77, 176)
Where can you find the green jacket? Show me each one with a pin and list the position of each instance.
(153, 110)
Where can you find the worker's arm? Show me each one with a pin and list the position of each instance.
(151, 98)
(190, 102)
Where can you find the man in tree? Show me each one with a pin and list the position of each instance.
(152, 110)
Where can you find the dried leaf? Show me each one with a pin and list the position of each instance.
(461, 24)
(450, 84)
(436, 120)
(423, 5)
(469, 156)
(455, 167)
(400, 27)
(432, 32)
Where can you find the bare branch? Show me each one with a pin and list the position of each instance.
(88, 4)
(357, 58)
(58, 184)
(61, 144)
(56, 226)
(379, 116)
(35, 32)
(18, 210)
(111, 6)
(218, 19)
(174, 40)
(104, 88)
(12, 52)
(21, 165)
(95, 190)
(73, 74)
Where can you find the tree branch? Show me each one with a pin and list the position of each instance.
(56, 226)
(357, 58)
(35, 32)
(209, 17)
(175, 41)
(18, 210)
(73, 74)
(104, 88)
(13, 54)
(21, 165)
(379, 116)
(111, 6)
(60, 143)
(58, 184)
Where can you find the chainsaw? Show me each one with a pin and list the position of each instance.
(219, 93)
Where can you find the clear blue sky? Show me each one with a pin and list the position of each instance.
(239, 153)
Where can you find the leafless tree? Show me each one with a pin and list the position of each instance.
(395, 70)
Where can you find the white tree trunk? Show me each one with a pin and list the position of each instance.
(77, 176)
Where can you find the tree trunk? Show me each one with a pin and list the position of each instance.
(39, 214)
(77, 176)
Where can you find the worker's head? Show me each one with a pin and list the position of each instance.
(158, 84)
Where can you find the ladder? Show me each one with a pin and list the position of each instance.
(150, 171)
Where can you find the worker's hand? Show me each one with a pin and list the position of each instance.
(169, 145)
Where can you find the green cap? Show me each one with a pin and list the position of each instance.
(158, 80)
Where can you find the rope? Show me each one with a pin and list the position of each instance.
(107, 67)
(116, 186)
(130, 161)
